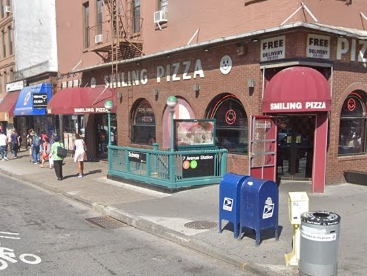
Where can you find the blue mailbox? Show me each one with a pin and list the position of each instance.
(259, 206)
(229, 200)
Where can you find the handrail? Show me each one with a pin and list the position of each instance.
(164, 169)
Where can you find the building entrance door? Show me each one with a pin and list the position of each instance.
(295, 146)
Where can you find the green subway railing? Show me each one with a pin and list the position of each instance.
(166, 169)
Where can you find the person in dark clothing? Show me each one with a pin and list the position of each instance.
(15, 142)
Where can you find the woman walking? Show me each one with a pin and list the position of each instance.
(80, 154)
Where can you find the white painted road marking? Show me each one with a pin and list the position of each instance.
(9, 235)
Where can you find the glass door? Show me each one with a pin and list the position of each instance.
(295, 146)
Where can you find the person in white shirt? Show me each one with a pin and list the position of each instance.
(3, 146)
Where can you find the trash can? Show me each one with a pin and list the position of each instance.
(229, 200)
(259, 206)
(319, 243)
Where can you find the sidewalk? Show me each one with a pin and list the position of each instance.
(165, 215)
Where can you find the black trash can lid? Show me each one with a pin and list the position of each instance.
(320, 218)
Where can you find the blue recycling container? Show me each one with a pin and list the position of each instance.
(259, 206)
(229, 200)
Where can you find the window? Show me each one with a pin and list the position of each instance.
(136, 16)
(99, 16)
(86, 25)
(10, 40)
(143, 124)
(11, 75)
(4, 43)
(231, 123)
(162, 5)
(352, 133)
(2, 9)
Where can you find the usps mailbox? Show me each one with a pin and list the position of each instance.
(259, 206)
(229, 200)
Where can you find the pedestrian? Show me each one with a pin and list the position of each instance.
(15, 142)
(29, 144)
(80, 154)
(43, 137)
(36, 145)
(57, 159)
(3, 146)
(45, 152)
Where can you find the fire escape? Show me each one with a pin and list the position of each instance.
(121, 42)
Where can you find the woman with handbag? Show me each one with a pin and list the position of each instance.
(80, 154)
(56, 158)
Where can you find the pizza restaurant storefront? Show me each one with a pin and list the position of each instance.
(300, 72)
(299, 99)
(81, 110)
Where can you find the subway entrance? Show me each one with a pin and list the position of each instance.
(295, 146)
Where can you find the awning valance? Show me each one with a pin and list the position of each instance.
(297, 89)
(7, 105)
(81, 100)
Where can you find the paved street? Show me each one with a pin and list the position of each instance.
(53, 235)
(166, 215)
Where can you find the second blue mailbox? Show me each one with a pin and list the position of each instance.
(259, 206)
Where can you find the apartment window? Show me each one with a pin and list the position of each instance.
(136, 16)
(162, 5)
(11, 75)
(10, 40)
(2, 9)
(4, 43)
(99, 16)
(86, 25)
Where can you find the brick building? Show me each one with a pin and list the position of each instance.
(287, 88)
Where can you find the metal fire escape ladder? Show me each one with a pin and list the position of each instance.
(115, 43)
(128, 31)
(123, 44)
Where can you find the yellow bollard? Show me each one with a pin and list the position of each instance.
(293, 257)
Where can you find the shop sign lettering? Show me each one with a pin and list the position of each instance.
(353, 48)
(171, 72)
(318, 46)
(297, 105)
(273, 48)
(90, 110)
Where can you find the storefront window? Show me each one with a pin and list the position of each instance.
(143, 124)
(352, 135)
(231, 124)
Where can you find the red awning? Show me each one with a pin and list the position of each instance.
(81, 100)
(7, 105)
(297, 89)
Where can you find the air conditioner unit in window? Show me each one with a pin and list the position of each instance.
(7, 9)
(160, 16)
(98, 39)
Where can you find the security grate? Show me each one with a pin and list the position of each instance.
(200, 225)
(106, 222)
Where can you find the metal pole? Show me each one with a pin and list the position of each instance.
(172, 126)
(109, 128)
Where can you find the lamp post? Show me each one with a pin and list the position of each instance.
(109, 105)
(172, 102)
